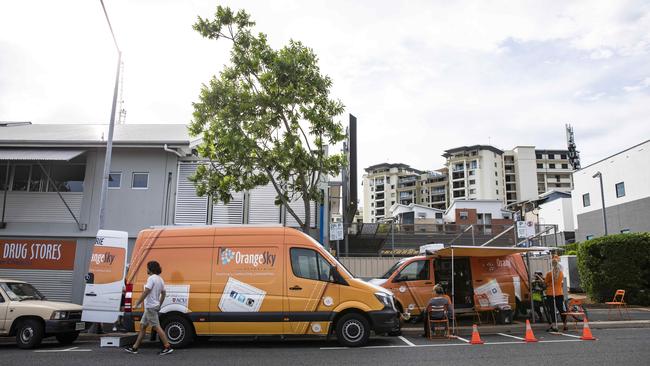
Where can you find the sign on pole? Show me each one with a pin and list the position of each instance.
(521, 229)
(336, 231)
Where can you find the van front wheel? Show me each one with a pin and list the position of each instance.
(179, 331)
(352, 330)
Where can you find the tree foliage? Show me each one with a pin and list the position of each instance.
(267, 117)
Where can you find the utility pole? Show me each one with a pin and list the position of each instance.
(599, 175)
(109, 143)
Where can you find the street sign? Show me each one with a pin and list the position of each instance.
(336, 231)
(525, 229)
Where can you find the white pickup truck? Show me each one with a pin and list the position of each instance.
(27, 315)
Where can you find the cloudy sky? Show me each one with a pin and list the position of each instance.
(421, 76)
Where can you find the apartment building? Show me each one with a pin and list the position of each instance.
(386, 184)
(523, 173)
(626, 192)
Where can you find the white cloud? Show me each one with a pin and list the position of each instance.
(420, 76)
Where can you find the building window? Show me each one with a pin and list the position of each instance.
(115, 180)
(472, 191)
(620, 190)
(565, 166)
(67, 178)
(474, 164)
(463, 215)
(372, 196)
(563, 156)
(586, 202)
(551, 166)
(392, 203)
(392, 194)
(625, 231)
(372, 204)
(392, 186)
(140, 181)
(538, 156)
(540, 166)
(495, 164)
(471, 172)
(557, 178)
(496, 182)
(589, 237)
(496, 174)
(472, 181)
(551, 156)
(387, 179)
(21, 178)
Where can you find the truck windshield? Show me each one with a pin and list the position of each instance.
(21, 291)
(392, 269)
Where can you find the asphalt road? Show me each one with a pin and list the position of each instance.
(614, 346)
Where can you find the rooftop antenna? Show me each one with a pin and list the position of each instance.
(574, 154)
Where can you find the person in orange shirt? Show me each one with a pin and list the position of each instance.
(555, 293)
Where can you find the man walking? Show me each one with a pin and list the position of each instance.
(153, 296)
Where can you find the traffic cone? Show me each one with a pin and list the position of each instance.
(586, 332)
(476, 338)
(530, 337)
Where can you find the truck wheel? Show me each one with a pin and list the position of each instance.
(352, 330)
(29, 334)
(67, 338)
(179, 331)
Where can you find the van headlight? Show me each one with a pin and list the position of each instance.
(385, 299)
(59, 315)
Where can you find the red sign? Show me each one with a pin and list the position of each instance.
(37, 254)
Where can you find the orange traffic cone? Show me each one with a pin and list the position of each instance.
(530, 337)
(586, 332)
(476, 338)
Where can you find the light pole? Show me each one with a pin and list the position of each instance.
(109, 142)
(602, 197)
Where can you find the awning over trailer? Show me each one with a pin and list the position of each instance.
(474, 251)
(39, 154)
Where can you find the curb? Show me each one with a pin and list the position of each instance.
(519, 327)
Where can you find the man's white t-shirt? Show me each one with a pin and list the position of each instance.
(156, 284)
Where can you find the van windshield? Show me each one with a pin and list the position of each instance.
(331, 258)
(392, 269)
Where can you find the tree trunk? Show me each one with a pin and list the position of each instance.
(307, 223)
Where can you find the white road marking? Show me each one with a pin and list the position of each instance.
(406, 341)
(511, 336)
(462, 339)
(447, 344)
(72, 349)
(565, 334)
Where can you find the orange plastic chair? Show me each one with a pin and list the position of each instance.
(576, 311)
(618, 303)
(444, 321)
(481, 308)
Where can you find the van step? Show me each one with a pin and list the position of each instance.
(117, 340)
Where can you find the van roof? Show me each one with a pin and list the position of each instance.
(199, 230)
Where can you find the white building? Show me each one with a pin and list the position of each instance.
(416, 214)
(626, 189)
(556, 208)
(380, 188)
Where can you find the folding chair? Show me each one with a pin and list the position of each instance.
(618, 303)
(576, 311)
(442, 312)
(482, 305)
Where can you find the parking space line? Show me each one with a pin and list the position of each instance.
(449, 344)
(565, 334)
(72, 349)
(510, 336)
(406, 341)
(462, 339)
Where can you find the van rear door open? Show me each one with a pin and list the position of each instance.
(105, 278)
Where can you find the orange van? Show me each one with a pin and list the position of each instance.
(497, 274)
(254, 281)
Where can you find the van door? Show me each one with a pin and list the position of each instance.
(4, 305)
(415, 285)
(105, 278)
(463, 289)
(310, 290)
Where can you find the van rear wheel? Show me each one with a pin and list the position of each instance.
(352, 330)
(179, 331)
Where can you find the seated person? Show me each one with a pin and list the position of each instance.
(439, 300)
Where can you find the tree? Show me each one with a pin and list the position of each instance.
(266, 118)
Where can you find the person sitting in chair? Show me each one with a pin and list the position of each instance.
(439, 308)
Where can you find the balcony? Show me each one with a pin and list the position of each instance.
(379, 188)
(405, 195)
(458, 175)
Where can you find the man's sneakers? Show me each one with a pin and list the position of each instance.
(131, 350)
(165, 351)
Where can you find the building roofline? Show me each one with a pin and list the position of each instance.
(613, 155)
(393, 165)
(472, 147)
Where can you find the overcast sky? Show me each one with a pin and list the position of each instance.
(421, 76)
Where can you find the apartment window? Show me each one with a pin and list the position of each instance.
(540, 166)
(463, 215)
(372, 196)
(372, 212)
(496, 174)
(472, 191)
(563, 156)
(589, 237)
(472, 181)
(497, 192)
(586, 202)
(625, 231)
(67, 178)
(551, 156)
(387, 179)
(496, 182)
(115, 180)
(392, 203)
(392, 186)
(538, 156)
(372, 204)
(471, 172)
(140, 181)
(392, 194)
(474, 164)
(495, 164)
(557, 178)
(565, 166)
(551, 166)
(620, 190)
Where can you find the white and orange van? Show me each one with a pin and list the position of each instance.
(496, 275)
(247, 280)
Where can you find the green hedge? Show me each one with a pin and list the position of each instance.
(614, 262)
